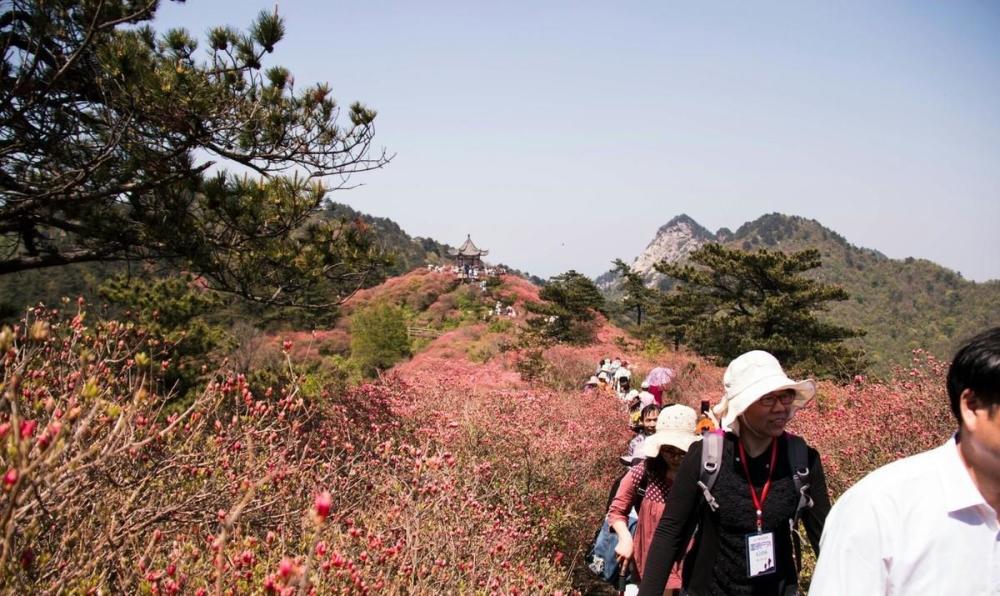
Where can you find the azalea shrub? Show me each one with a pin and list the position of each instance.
(103, 490)
(443, 475)
(866, 424)
(430, 485)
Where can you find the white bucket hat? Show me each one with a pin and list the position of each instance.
(674, 427)
(750, 377)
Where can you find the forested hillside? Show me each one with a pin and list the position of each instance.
(901, 304)
(49, 286)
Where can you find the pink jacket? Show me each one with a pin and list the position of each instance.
(650, 513)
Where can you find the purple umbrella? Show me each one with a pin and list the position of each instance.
(659, 376)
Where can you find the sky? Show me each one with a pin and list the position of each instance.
(561, 135)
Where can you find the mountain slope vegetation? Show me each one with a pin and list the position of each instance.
(902, 304)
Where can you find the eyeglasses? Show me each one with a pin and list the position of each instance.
(671, 452)
(785, 397)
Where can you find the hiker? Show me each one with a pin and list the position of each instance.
(622, 379)
(662, 453)
(606, 371)
(647, 394)
(743, 543)
(591, 383)
(927, 524)
(624, 388)
(657, 382)
(647, 426)
(636, 405)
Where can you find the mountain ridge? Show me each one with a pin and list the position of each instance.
(902, 304)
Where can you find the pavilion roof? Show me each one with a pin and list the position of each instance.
(469, 249)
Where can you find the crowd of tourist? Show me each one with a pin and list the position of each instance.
(711, 503)
(468, 273)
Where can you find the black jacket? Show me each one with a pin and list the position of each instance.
(716, 563)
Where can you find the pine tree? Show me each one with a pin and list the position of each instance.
(736, 301)
(636, 295)
(108, 133)
(571, 300)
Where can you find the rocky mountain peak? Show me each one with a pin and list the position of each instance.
(673, 242)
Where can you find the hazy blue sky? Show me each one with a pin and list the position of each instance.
(563, 134)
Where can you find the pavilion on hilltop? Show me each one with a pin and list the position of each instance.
(468, 255)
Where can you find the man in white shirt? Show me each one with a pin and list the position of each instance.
(927, 524)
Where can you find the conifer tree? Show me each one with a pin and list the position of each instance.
(115, 143)
(736, 301)
(571, 300)
(636, 295)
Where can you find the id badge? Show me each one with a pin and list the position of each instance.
(760, 554)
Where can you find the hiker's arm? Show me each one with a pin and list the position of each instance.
(814, 518)
(618, 515)
(669, 540)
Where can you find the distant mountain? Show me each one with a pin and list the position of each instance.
(902, 304)
(673, 242)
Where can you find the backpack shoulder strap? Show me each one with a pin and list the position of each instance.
(711, 458)
(798, 460)
(640, 490)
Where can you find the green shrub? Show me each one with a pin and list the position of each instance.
(499, 326)
(378, 337)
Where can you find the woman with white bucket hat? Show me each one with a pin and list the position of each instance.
(743, 543)
(661, 453)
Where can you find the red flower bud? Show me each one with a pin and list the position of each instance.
(9, 479)
(323, 505)
(28, 428)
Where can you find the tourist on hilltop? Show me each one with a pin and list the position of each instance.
(606, 370)
(644, 391)
(622, 376)
(591, 383)
(647, 426)
(639, 401)
(658, 381)
(759, 482)
(600, 366)
(662, 453)
(624, 388)
(927, 524)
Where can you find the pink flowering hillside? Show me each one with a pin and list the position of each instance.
(449, 473)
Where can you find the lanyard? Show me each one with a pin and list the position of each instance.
(759, 501)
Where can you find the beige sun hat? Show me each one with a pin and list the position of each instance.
(674, 427)
(750, 377)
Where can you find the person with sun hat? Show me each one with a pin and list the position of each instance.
(653, 475)
(742, 526)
